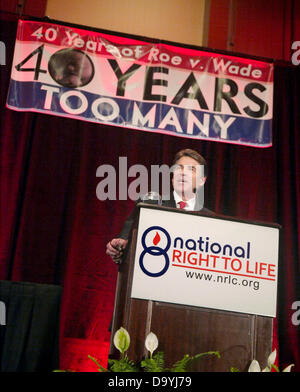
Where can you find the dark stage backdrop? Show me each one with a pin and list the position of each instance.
(54, 229)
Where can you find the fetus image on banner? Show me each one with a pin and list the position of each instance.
(71, 68)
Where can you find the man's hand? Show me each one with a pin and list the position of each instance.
(115, 249)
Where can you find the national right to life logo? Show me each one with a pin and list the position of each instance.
(154, 260)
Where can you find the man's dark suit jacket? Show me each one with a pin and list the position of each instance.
(126, 230)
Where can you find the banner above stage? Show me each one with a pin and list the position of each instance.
(144, 85)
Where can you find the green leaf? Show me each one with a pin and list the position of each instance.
(207, 353)
(122, 365)
(181, 366)
(100, 368)
(273, 366)
(154, 364)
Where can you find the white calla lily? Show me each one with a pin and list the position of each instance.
(288, 368)
(266, 370)
(254, 367)
(151, 342)
(272, 358)
(122, 340)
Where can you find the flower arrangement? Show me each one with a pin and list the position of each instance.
(155, 362)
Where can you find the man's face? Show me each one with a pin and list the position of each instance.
(187, 176)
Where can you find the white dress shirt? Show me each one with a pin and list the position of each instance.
(190, 204)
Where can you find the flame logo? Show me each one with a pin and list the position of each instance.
(156, 239)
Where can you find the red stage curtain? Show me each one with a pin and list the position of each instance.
(54, 229)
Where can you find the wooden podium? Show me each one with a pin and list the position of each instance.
(184, 329)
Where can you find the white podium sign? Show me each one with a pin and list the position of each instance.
(208, 262)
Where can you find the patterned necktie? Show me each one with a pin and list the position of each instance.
(182, 204)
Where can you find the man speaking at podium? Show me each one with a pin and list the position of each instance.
(189, 176)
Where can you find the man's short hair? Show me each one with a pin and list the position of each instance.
(187, 152)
